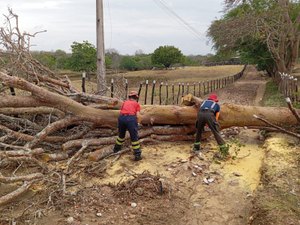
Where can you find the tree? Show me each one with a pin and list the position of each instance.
(61, 59)
(166, 56)
(46, 58)
(271, 25)
(112, 59)
(84, 56)
(128, 63)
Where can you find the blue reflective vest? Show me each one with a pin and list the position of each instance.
(210, 105)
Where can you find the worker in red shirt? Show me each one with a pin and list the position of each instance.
(128, 121)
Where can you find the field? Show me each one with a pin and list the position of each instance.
(187, 75)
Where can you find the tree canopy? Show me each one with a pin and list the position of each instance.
(166, 56)
(264, 32)
(84, 57)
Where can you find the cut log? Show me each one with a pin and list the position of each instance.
(13, 195)
(32, 111)
(20, 178)
(100, 153)
(54, 156)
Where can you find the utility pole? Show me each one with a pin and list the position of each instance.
(101, 81)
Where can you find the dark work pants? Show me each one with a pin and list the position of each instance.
(208, 117)
(129, 123)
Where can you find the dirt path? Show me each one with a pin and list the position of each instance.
(249, 90)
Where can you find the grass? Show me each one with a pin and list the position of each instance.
(272, 96)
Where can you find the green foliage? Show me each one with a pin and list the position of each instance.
(256, 52)
(247, 27)
(272, 96)
(167, 55)
(235, 145)
(84, 57)
(194, 60)
(46, 58)
(112, 59)
(129, 63)
(138, 62)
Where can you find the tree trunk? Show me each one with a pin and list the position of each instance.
(231, 115)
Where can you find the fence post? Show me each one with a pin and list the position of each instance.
(179, 85)
(187, 88)
(146, 93)
(204, 88)
(182, 89)
(161, 84)
(199, 84)
(140, 90)
(112, 88)
(194, 89)
(173, 94)
(83, 81)
(297, 91)
(153, 89)
(126, 89)
(167, 94)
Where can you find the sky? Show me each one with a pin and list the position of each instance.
(129, 25)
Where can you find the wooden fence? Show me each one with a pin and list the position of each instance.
(165, 93)
(288, 86)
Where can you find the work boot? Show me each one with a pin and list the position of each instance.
(117, 148)
(196, 148)
(137, 154)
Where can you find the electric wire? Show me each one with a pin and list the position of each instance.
(110, 22)
(162, 5)
(180, 18)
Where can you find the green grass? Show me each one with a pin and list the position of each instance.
(272, 96)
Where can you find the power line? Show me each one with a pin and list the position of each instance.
(161, 4)
(110, 22)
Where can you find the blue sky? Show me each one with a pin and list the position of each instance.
(129, 25)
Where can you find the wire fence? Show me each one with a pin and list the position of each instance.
(289, 87)
(165, 93)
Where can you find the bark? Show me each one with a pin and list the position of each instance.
(101, 153)
(28, 138)
(52, 128)
(142, 133)
(54, 156)
(277, 127)
(30, 111)
(20, 178)
(13, 195)
(105, 102)
(293, 110)
(18, 153)
(103, 117)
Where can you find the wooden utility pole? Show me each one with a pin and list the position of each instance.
(101, 81)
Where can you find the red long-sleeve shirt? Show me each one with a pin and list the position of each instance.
(130, 107)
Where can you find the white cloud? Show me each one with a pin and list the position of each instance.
(129, 25)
